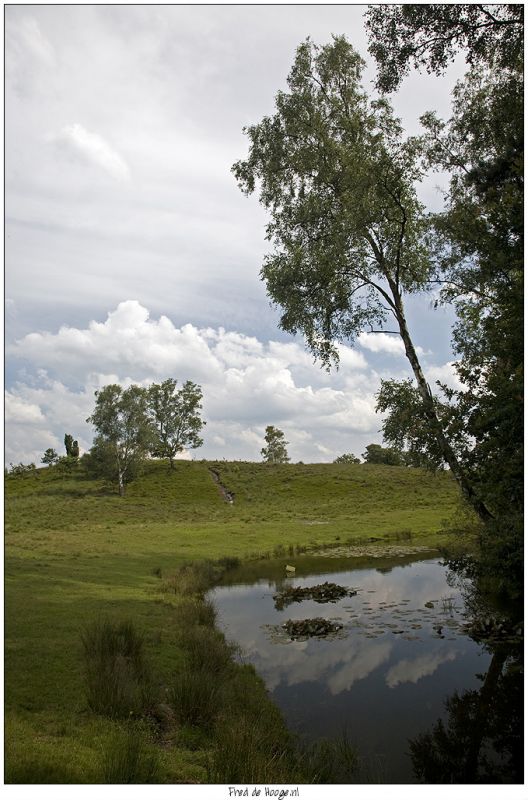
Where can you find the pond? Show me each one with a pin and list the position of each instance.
(398, 652)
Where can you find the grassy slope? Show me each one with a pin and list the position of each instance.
(75, 550)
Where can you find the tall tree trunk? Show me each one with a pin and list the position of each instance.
(429, 408)
(121, 484)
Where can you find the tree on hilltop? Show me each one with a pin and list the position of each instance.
(124, 433)
(376, 454)
(347, 458)
(275, 450)
(175, 415)
(71, 445)
(50, 457)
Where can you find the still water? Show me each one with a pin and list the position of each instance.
(384, 678)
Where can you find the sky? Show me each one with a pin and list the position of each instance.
(131, 254)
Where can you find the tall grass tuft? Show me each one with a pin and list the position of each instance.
(330, 761)
(193, 578)
(193, 611)
(194, 697)
(127, 759)
(207, 650)
(117, 679)
(247, 751)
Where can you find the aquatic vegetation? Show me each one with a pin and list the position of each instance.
(322, 593)
(311, 627)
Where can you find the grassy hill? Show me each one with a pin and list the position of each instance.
(76, 552)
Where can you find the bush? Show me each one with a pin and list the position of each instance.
(22, 470)
(117, 680)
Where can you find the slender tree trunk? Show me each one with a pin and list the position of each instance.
(480, 723)
(121, 484)
(430, 411)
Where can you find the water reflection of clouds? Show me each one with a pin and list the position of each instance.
(411, 670)
(337, 665)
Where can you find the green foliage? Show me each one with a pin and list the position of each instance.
(22, 470)
(406, 426)
(71, 445)
(477, 242)
(176, 417)
(376, 454)
(339, 178)
(347, 458)
(50, 456)
(275, 451)
(124, 434)
(66, 464)
(431, 35)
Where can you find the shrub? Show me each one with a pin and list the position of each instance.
(22, 470)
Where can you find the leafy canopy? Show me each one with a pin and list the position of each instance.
(275, 450)
(124, 433)
(337, 176)
(175, 415)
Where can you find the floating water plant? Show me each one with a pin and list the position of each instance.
(322, 593)
(310, 627)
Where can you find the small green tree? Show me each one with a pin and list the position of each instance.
(175, 415)
(275, 451)
(124, 432)
(347, 458)
(376, 454)
(50, 457)
(71, 445)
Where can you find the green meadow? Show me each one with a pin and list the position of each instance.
(82, 564)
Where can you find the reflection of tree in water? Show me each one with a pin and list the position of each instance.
(481, 741)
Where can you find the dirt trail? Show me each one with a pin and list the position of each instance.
(228, 496)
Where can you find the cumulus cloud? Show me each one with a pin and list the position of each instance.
(385, 343)
(247, 383)
(19, 410)
(93, 149)
(445, 373)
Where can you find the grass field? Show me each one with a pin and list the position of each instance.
(76, 554)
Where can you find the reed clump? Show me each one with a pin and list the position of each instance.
(117, 678)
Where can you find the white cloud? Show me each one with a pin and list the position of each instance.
(445, 373)
(93, 149)
(19, 410)
(247, 383)
(385, 343)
